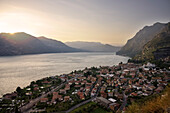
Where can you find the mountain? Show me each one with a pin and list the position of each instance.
(57, 46)
(22, 43)
(93, 46)
(134, 46)
(158, 47)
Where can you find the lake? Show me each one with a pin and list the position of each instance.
(21, 70)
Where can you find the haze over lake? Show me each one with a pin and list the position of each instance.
(21, 70)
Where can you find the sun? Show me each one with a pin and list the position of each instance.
(11, 33)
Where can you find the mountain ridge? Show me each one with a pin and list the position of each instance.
(135, 44)
(158, 47)
(21, 43)
(93, 46)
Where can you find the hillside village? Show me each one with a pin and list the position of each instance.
(111, 87)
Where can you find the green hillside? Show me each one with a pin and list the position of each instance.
(155, 104)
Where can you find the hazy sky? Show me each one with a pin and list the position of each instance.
(106, 21)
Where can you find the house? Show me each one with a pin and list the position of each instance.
(62, 91)
(114, 106)
(151, 87)
(126, 71)
(112, 100)
(119, 96)
(104, 95)
(67, 87)
(93, 80)
(77, 82)
(71, 75)
(163, 82)
(88, 88)
(28, 89)
(10, 96)
(89, 84)
(36, 88)
(45, 82)
(84, 82)
(63, 78)
(35, 85)
(77, 86)
(94, 89)
(28, 93)
(133, 94)
(93, 93)
(70, 82)
(56, 96)
(43, 99)
(66, 98)
(110, 94)
(59, 97)
(149, 65)
(159, 89)
(81, 95)
(86, 93)
(55, 93)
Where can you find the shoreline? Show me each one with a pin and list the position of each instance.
(103, 80)
(18, 69)
(58, 75)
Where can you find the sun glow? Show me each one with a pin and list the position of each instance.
(14, 22)
(81, 20)
(58, 26)
(11, 33)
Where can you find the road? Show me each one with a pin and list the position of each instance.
(124, 102)
(27, 107)
(84, 102)
(78, 105)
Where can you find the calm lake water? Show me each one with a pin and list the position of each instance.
(21, 70)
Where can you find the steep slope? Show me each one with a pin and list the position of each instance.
(6, 48)
(134, 46)
(158, 47)
(93, 46)
(22, 43)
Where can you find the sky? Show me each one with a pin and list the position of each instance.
(105, 21)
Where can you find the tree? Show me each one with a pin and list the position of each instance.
(18, 89)
(155, 83)
(33, 82)
(140, 70)
(16, 109)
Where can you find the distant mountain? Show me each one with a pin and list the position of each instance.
(134, 46)
(22, 43)
(158, 47)
(57, 46)
(93, 46)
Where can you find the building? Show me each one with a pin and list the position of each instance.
(102, 101)
(66, 98)
(62, 91)
(112, 100)
(44, 100)
(114, 106)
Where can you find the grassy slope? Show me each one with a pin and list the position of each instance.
(154, 105)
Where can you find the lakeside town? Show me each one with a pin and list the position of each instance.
(109, 88)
